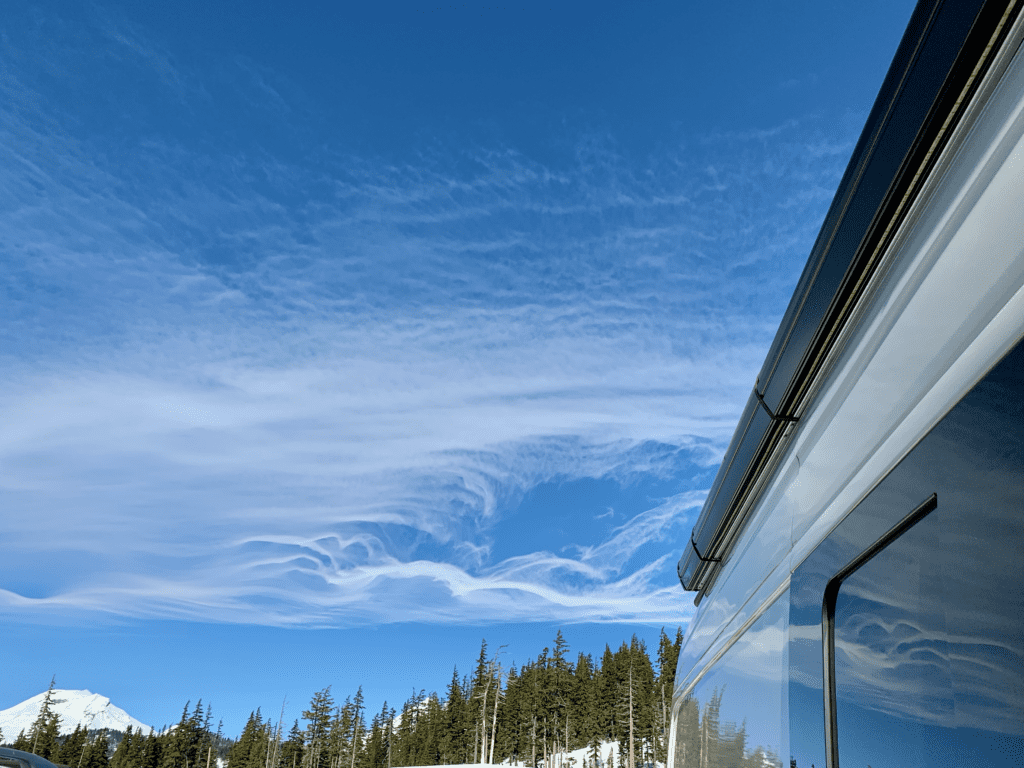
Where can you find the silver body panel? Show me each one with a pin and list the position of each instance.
(946, 306)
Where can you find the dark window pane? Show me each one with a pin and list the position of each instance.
(929, 648)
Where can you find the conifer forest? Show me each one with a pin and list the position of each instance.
(552, 704)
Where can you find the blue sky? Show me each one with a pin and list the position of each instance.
(335, 339)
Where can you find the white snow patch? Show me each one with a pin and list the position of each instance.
(75, 708)
(577, 758)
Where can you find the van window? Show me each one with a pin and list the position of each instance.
(928, 642)
(928, 634)
(922, 677)
(734, 716)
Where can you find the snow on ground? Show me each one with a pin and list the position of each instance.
(75, 708)
(578, 758)
(582, 757)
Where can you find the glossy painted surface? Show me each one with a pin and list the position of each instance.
(951, 304)
(929, 656)
(929, 651)
(943, 45)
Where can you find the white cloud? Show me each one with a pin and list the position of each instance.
(266, 406)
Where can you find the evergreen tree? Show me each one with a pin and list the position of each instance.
(407, 741)
(189, 743)
(293, 750)
(95, 755)
(584, 702)
(452, 740)
(121, 756)
(378, 747)
(497, 674)
(607, 685)
(205, 743)
(72, 751)
(478, 703)
(250, 751)
(42, 737)
(541, 710)
(635, 702)
(150, 752)
(318, 724)
(340, 724)
(357, 726)
(431, 724)
(510, 719)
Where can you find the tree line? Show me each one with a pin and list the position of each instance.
(550, 705)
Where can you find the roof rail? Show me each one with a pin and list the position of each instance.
(940, 60)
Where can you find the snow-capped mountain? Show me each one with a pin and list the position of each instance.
(75, 708)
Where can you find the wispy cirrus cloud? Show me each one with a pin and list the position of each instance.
(243, 386)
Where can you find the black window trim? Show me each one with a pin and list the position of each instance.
(828, 615)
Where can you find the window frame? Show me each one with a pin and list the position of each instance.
(828, 615)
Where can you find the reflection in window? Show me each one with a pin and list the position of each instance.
(917, 684)
(733, 718)
(891, 656)
(929, 644)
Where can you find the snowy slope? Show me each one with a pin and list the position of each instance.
(608, 754)
(578, 758)
(74, 707)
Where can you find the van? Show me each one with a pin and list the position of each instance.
(858, 564)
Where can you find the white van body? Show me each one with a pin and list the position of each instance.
(861, 595)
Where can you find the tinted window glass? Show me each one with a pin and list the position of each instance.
(735, 715)
(929, 648)
(892, 657)
(924, 675)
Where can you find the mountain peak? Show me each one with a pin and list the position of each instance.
(90, 710)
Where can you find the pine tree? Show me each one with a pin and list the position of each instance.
(151, 752)
(72, 751)
(250, 749)
(497, 673)
(452, 740)
(533, 715)
(357, 726)
(378, 746)
(293, 750)
(45, 731)
(584, 702)
(205, 742)
(478, 707)
(607, 685)
(189, 744)
(318, 723)
(95, 755)
(430, 725)
(274, 753)
(509, 737)
(407, 738)
(120, 758)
